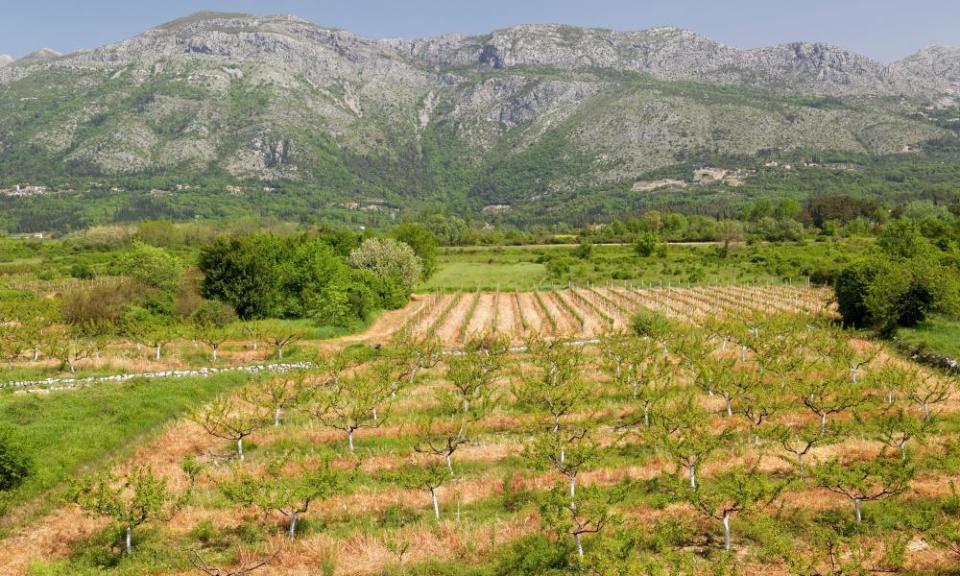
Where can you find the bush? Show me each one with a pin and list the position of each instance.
(213, 314)
(646, 244)
(15, 464)
(390, 260)
(651, 325)
(897, 285)
(98, 309)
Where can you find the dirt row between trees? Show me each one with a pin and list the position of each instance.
(587, 312)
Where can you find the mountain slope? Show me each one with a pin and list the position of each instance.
(508, 118)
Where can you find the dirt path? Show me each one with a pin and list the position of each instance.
(480, 322)
(507, 321)
(527, 305)
(449, 330)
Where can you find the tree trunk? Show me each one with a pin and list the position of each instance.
(157, 355)
(240, 449)
(292, 531)
(279, 352)
(729, 403)
(800, 461)
(276, 416)
(726, 531)
(436, 505)
(573, 487)
(213, 351)
(646, 416)
(823, 422)
(576, 538)
(128, 540)
(350, 439)
(856, 510)
(693, 476)
(449, 460)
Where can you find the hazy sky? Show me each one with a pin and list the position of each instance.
(884, 29)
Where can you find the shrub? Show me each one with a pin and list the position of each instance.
(15, 464)
(651, 325)
(99, 308)
(390, 260)
(213, 314)
(646, 244)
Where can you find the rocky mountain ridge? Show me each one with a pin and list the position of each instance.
(512, 116)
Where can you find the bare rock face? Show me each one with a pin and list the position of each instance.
(280, 98)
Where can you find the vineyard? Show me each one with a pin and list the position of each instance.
(735, 431)
(455, 318)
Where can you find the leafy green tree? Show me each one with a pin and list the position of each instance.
(152, 267)
(556, 386)
(352, 403)
(146, 327)
(737, 490)
(798, 442)
(645, 244)
(424, 244)
(389, 260)
(895, 428)
(231, 419)
(243, 272)
(568, 452)
(898, 284)
(828, 392)
(282, 392)
(473, 373)
(864, 480)
(70, 350)
(587, 513)
(684, 433)
(430, 478)
(132, 500)
(291, 497)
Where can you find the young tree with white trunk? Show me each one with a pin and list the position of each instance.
(586, 514)
(684, 433)
(282, 392)
(474, 372)
(798, 442)
(291, 497)
(733, 492)
(133, 500)
(352, 403)
(928, 390)
(828, 391)
(232, 419)
(864, 480)
(555, 385)
(407, 357)
(428, 477)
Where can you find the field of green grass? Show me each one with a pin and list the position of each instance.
(529, 267)
(68, 432)
(936, 334)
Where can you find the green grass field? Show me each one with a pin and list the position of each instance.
(528, 267)
(71, 431)
(937, 334)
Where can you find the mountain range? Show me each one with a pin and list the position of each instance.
(499, 120)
